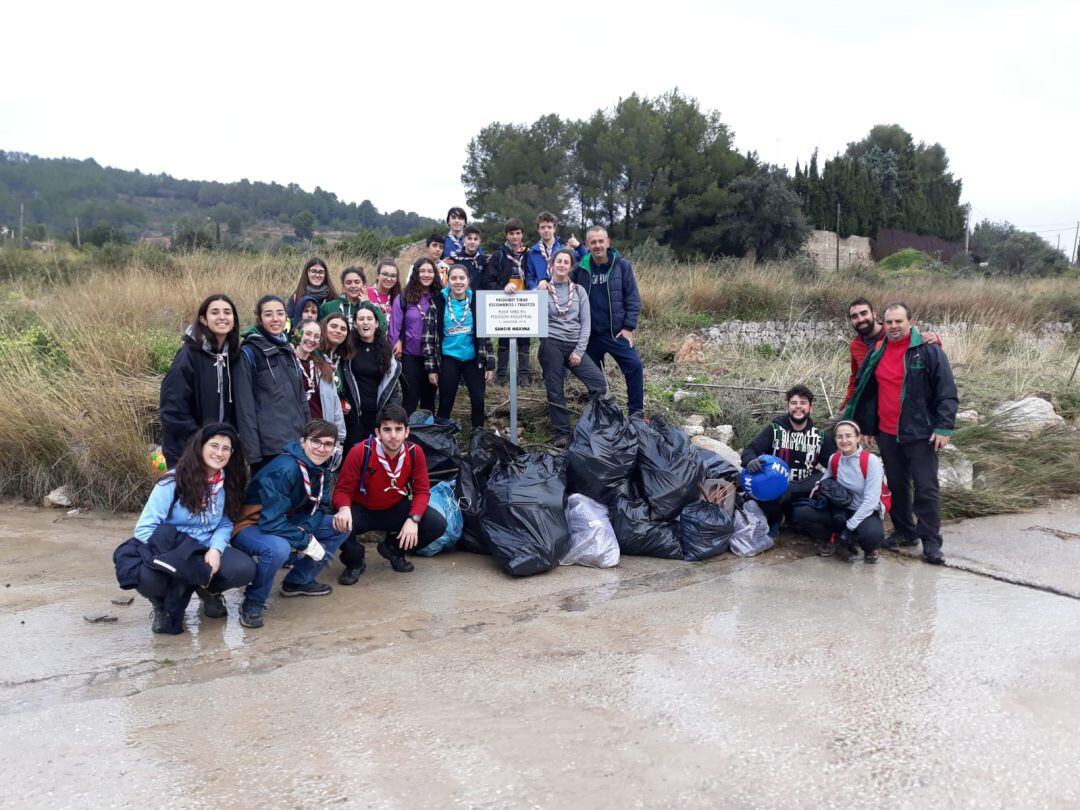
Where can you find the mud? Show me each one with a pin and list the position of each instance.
(785, 680)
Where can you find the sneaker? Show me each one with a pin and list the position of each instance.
(213, 604)
(396, 558)
(561, 442)
(826, 549)
(312, 588)
(933, 556)
(162, 622)
(898, 540)
(350, 575)
(870, 557)
(251, 614)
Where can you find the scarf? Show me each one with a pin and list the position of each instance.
(315, 499)
(394, 474)
(321, 293)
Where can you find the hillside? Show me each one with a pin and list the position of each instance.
(54, 191)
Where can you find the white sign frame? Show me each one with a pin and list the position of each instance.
(523, 314)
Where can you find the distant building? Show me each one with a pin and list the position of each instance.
(157, 241)
(854, 250)
(47, 246)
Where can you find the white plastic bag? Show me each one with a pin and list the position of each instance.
(751, 535)
(592, 540)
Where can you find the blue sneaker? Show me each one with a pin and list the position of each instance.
(251, 614)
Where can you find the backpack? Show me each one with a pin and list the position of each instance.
(864, 462)
(367, 457)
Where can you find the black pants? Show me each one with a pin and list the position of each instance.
(415, 387)
(524, 368)
(431, 528)
(554, 356)
(907, 466)
(237, 570)
(820, 524)
(451, 373)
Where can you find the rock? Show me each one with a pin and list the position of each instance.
(681, 394)
(99, 618)
(1027, 416)
(57, 499)
(954, 468)
(123, 600)
(721, 449)
(968, 417)
(694, 420)
(691, 350)
(693, 430)
(722, 433)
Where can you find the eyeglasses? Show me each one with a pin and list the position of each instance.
(328, 444)
(221, 448)
(387, 275)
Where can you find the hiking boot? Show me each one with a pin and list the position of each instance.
(933, 556)
(213, 604)
(162, 622)
(251, 614)
(870, 557)
(350, 575)
(312, 588)
(396, 558)
(561, 442)
(899, 540)
(826, 549)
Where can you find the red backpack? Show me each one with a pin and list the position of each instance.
(864, 462)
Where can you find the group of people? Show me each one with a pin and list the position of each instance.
(255, 423)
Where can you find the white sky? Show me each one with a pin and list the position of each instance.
(378, 101)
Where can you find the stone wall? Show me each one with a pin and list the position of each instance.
(854, 250)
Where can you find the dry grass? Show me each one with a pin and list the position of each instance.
(84, 346)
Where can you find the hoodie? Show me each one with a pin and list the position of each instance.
(196, 390)
(282, 502)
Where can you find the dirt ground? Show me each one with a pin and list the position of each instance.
(780, 681)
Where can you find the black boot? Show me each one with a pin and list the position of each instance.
(213, 605)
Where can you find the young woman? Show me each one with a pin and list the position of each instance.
(198, 387)
(860, 474)
(452, 351)
(315, 282)
(285, 515)
(387, 288)
(317, 378)
(336, 348)
(353, 293)
(375, 371)
(200, 497)
(564, 347)
(407, 333)
(271, 409)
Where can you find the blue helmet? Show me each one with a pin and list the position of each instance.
(769, 484)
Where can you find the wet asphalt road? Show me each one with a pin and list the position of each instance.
(781, 681)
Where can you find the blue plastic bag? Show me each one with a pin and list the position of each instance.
(444, 501)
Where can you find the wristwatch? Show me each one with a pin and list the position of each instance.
(415, 519)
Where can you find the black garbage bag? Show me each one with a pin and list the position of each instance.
(525, 514)
(668, 470)
(488, 450)
(713, 465)
(470, 497)
(637, 531)
(603, 453)
(440, 449)
(705, 530)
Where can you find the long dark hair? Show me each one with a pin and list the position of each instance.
(395, 291)
(345, 349)
(201, 332)
(301, 286)
(379, 343)
(192, 491)
(413, 290)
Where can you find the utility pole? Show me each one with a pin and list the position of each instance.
(838, 236)
(967, 229)
(1076, 243)
(78, 239)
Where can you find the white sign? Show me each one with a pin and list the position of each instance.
(511, 315)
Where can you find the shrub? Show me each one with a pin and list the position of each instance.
(903, 259)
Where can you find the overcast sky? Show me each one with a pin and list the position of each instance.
(378, 101)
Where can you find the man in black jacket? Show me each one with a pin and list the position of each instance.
(793, 438)
(905, 396)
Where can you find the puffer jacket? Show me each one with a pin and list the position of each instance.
(271, 410)
(624, 300)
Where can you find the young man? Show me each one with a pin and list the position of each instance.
(472, 256)
(868, 335)
(505, 271)
(538, 262)
(434, 248)
(793, 438)
(905, 396)
(285, 516)
(614, 304)
(384, 486)
(455, 239)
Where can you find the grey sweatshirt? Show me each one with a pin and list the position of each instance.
(574, 328)
(867, 490)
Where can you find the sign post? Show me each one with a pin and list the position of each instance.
(512, 315)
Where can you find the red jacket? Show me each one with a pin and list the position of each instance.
(378, 495)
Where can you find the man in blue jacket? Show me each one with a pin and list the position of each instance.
(905, 396)
(615, 304)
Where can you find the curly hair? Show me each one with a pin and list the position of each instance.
(379, 344)
(413, 290)
(190, 473)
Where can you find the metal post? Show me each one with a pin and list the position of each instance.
(511, 369)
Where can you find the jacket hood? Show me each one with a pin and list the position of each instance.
(300, 307)
(296, 451)
(203, 345)
(256, 338)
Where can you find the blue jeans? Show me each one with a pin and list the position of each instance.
(629, 364)
(271, 552)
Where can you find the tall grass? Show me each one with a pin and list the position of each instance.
(84, 344)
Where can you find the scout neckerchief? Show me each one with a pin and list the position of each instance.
(546, 251)
(508, 252)
(382, 301)
(334, 362)
(562, 310)
(308, 369)
(457, 243)
(315, 500)
(458, 326)
(214, 485)
(394, 474)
